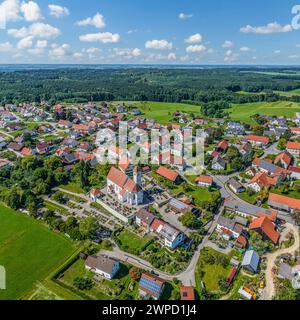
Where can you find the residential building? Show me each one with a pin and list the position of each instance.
(284, 203)
(258, 141)
(169, 235)
(251, 261)
(144, 219)
(218, 164)
(151, 286)
(187, 293)
(293, 148)
(265, 228)
(204, 181)
(236, 186)
(229, 228)
(103, 265)
(284, 159)
(169, 174)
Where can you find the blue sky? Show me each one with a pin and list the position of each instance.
(144, 31)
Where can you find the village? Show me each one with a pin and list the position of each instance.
(230, 232)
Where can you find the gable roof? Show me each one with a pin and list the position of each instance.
(266, 227)
(258, 139)
(292, 203)
(101, 262)
(151, 284)
(116, 176)
(145, 216)
(293, 145)
(284, 157)
(167, 173)
(204, 179)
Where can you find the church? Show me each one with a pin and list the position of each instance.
(128, 190)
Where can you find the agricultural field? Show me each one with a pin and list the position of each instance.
(244, 112)
(28, 248)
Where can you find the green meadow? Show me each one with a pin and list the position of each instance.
(28, 251)
(244, 112)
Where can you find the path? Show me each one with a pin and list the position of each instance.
(269, 292)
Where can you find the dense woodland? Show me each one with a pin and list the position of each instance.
(166, 85)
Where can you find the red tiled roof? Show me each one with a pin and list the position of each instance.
(288, 201)
(204, 179)
(156, 224)
(187, 293)
(284, 157)
(223, 145)
(258, 139)
(294, 169)
(242, 240)
(293, 145)
(167, 173)
(266, 227)
(26, 151)
(272, 216)
(116, 176)
(80, 127)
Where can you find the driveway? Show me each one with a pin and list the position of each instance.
(269, 291)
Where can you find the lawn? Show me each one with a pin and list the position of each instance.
(210, 273)
(102, 289)
(131, 242)
(28, 251)
(162, 111)
(72, 187)
(243, 112)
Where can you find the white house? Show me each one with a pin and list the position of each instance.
(103, 265)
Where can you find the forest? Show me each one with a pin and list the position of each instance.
(199, 85)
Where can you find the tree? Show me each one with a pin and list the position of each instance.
(189, 220)
(282, 144)
(87, 227)
(83, 283)
(135, 273)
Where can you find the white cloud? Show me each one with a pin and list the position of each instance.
(6, 47)
(96, 21)
(39, 48)
(10, 10)
(60, 51)
(159, 45)
(228, 44)
(195, 48)
(293, 56)
(195, 38)
(31, 11)
(272, 27)
(172, 56)
(93, 50)
(127, 53)
(185, 16)
(277, 51)
(41, 30)
(25, 43)
(58, 11)
(230, 56)
(245, 49)
(104, 37)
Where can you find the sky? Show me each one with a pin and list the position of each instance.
(150, 32)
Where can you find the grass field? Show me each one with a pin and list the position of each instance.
(162, 111)
(243, 112)
(28, 251)
(132, 242)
